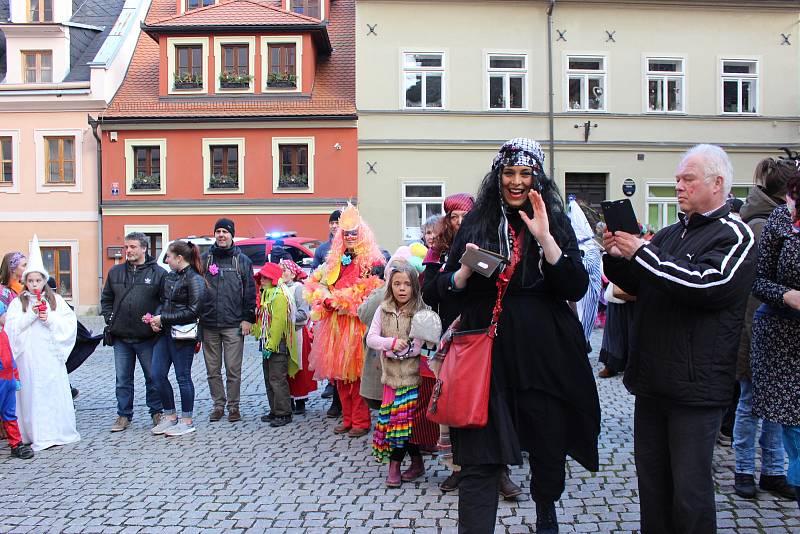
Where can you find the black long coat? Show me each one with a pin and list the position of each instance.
(539, 346)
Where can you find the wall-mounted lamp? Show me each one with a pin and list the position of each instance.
(337, 146)
(112, 136)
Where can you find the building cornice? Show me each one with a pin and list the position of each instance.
(483, 144)
(195, 120)
(304, 206)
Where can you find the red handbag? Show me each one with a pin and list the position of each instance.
(461, 395)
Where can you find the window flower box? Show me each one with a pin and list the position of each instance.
(281, 80)
(187, 81)
(143, 182)
(228, 80)
(291, 181)
(223, 182)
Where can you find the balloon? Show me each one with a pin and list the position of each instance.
(418, 250)
(416, 262)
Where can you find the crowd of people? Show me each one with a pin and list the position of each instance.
(681, 306)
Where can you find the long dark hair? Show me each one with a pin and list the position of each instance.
(480, 225)
(190, 253)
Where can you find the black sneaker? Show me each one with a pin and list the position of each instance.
(777, 485)
(327, 393)
(745, 485)
(267, 418)
(546, 518)
(22, 451)
(299, 407)
(281, 420)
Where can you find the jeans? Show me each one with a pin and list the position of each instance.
(673, 448)
(125, 355)
(744, 438)
(791, 440)
(167, 352)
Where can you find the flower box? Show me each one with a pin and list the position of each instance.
(146, 183)
(223, 182)
(234, 85)
(293, 182)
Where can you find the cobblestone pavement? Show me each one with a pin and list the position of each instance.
(246, 476)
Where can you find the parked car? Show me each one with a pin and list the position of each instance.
(301, 249)
(203, 243)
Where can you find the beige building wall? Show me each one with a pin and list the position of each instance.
(453, 146)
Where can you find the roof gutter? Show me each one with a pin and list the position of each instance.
(550, 111)
(249, 118)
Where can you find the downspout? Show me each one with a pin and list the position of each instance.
(550, 117)
(94, 124)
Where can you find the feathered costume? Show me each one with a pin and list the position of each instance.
(335, 291)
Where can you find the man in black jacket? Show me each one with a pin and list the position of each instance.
(691, 283)
(131, 291)
(228, 314)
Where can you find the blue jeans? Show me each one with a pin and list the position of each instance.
(125, 355)
(791, 440)
(744, 438)
(166, 353)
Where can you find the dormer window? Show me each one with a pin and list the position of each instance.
(37, 66)
(189, 72)
(197, 4)
(282, 66)
(309, 8)
(40, 10)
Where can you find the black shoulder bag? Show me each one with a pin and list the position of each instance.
(108, 336)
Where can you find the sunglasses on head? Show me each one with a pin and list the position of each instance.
(350, 233)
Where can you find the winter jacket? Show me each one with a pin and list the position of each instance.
(231, 294)
(755, 212)
(144, 282)
(321, 253)
(182, 295)
(691, 283)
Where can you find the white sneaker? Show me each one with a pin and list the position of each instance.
(180, 429)
(163, 426)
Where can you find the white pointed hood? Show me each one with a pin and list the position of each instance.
(35, 262)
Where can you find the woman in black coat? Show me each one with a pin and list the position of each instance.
(543, 397)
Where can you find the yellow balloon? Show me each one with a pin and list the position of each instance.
(418, 250)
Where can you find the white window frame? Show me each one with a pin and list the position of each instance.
(298, 61)
(130, 165)
(423, 70)
(162, 229)
(323, 5)
(74, 249)
(208, 142)
(276, 163)
(406, 200)
(15, 176)
(182, 6)
(739, 77)
(586, 74)
(664, 77)
(506, 74)
(219, 59)
(172, 64)
(39, 144)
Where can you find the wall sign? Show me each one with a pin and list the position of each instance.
(628, 187)
(114, 189)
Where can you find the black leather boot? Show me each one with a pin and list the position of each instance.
(744, 485)
(546, 518)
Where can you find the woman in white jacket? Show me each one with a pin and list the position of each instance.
(42, 328)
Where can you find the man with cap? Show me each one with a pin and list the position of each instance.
(228, 314)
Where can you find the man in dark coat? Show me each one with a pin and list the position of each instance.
(691, 282)
(131, 291)
(229, 312)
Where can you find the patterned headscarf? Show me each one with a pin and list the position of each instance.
(16, 259)
(299, 274)
(517, 151)
(459, 201)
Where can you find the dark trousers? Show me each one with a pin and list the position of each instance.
(398, 454)
(546, 422)
(673, 449)
(276, 379)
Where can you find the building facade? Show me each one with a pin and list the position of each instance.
(59, 61)
(235, 108)
(635, 83)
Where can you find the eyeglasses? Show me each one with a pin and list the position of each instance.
(350, 233)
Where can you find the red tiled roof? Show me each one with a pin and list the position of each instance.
(235, 13)
(333, 93)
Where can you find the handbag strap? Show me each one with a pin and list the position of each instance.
(504, 278)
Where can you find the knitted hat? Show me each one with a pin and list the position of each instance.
(35, 262)
(227, 224)
(271, 272)
(335, 214)
(426, 326)
(459, 201)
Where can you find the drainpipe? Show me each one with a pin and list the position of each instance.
(550, 117)
(95, 124)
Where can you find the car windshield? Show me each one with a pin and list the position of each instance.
(312, 245)
(256, 252)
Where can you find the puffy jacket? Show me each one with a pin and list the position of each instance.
(231, 294)
(182, 295)
(321, 253)
(691, 283)
(144, 283)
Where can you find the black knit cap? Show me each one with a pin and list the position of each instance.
(227, 224)
(335, 216)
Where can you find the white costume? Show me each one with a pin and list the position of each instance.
(44, 404)
(592, 262)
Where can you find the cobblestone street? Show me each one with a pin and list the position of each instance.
(232, 477)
